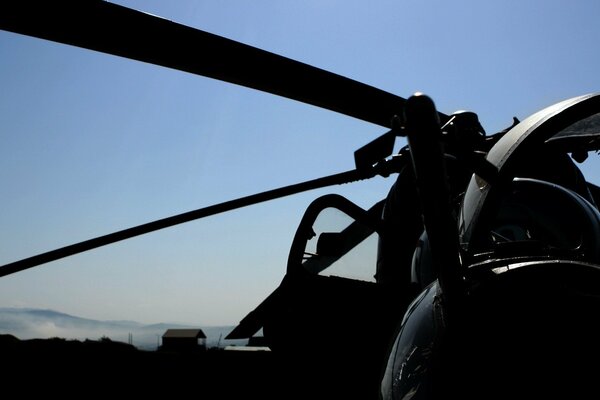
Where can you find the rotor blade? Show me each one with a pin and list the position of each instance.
(336, 179)
(117, 30)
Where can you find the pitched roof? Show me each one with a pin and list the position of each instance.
(184, 333)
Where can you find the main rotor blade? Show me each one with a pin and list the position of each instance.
(117, 30)
(336, 179)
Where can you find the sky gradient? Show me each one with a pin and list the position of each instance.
(91, 143)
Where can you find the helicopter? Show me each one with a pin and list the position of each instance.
(467, 221)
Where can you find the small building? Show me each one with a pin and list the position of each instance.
(184, 340)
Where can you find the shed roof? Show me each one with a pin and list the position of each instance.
(184, 333)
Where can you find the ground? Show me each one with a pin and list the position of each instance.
(68, 368)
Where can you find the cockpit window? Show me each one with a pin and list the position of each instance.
(581, 139)
(341, 247)
(529, 212)
(547, 215)
(588, 127)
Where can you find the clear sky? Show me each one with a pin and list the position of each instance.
(91, 143)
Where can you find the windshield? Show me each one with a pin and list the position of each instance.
(587, 130)
(341, 247)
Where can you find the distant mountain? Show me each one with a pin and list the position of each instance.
(28, 323)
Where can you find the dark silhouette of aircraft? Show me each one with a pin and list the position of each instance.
(487, 276)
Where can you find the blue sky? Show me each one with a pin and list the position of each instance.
(91, 143)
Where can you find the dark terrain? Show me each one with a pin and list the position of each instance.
(70, 368)
(82, 368)
(327, 366)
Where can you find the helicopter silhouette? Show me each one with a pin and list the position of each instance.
(478, 234)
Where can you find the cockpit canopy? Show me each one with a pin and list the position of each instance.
(541, 197)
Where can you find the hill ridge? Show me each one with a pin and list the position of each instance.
(30, 323)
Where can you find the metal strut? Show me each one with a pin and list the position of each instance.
(422, 127)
